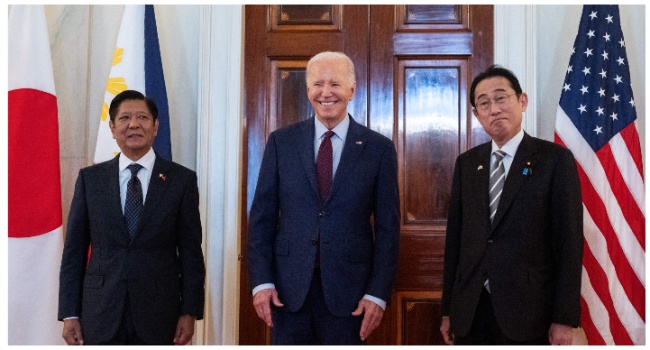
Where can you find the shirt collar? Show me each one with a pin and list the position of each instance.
(511, 146)
(146, 161)
(341, 129)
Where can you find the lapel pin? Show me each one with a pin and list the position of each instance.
(480, 167)
(161, 176)
(527, 170)
(359, 142)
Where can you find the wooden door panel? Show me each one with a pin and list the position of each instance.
(288, 101)
(418, 318)
(433, 17)
(421, 261)
(432, 114)
(413, 65)
(432, 120)
(305, 17)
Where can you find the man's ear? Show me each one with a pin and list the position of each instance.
(111, 126)
(155, 127)
(523, 99)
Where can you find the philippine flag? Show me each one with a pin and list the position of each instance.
(136, 66)
(34, 185)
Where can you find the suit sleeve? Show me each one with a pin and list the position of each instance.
(263, 219)
(452, 240)
(75, 253)
(567, 226)
(190, 253)
(386, 227)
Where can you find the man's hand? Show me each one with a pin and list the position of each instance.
(372, 314)
(262, 303)
(72, 332)
(184, 330)
(444, 329)
(560, 334)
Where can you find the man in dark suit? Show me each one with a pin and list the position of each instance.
(144, 280)
(514, 242)
(314, 253)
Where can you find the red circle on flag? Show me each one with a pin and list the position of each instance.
(34, 203)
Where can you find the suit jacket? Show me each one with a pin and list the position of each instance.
(531, 253)
(161, 270)
(288, 224)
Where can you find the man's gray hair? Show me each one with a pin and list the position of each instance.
(331, 55)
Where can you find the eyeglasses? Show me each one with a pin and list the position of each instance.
(484, 104)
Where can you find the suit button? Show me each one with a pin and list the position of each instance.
(490, 241)
(321, 214)
(483, 272)
(313, 242)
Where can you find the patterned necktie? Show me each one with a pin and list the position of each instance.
(324, 166)
(497, 179)
(133, 205)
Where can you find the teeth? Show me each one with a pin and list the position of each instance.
(327, 103)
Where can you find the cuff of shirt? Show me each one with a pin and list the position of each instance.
(263, 286)
(381, 303)
(71, 318)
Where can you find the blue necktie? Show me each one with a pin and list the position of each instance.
(133, 206)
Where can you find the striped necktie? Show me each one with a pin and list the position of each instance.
(497, 179)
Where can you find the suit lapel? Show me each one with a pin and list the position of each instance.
(305, 147)
(355, 141)
(158, 184)
(110, 181)
(480, 189)
(516, 177)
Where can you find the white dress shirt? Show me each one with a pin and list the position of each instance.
(147, 162)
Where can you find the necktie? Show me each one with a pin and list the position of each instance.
(133, 205)
(497, 179)
(324, 166)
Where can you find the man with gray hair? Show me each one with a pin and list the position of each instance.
(324, 223)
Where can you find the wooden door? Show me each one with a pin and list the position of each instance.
(414, 64)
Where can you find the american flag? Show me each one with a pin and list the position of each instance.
(596, 121)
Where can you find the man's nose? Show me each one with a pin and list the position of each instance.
(494, 107)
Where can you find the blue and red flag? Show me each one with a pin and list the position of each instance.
(137, 65)
(596, 120)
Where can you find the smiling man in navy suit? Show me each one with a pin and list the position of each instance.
(324, 223)
(513, 250)
(144, 280)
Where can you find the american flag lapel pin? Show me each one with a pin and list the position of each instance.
(162, 176)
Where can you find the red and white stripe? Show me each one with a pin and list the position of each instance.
(613, 196)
